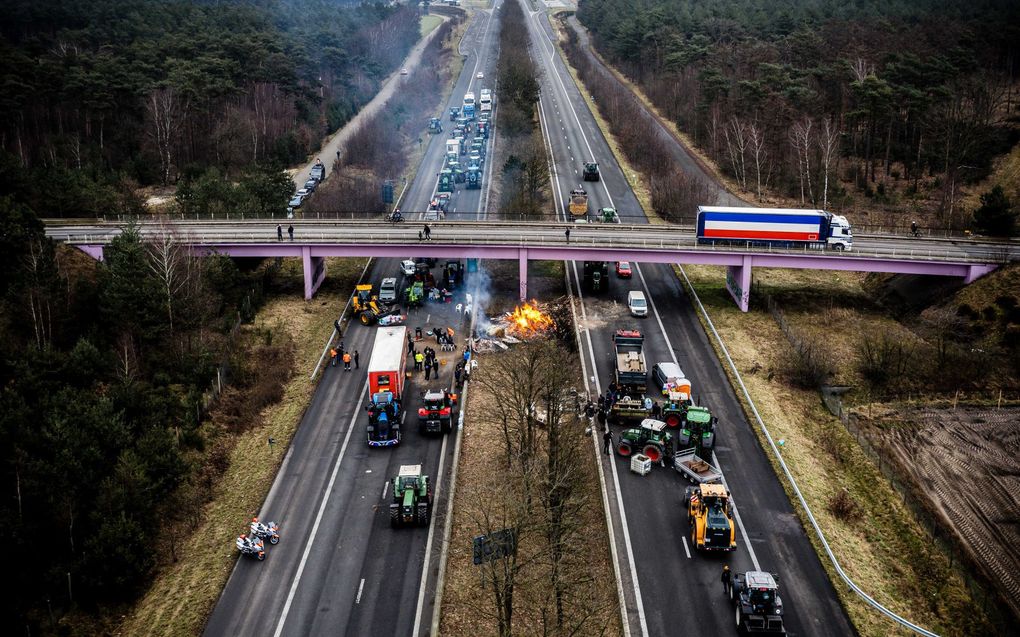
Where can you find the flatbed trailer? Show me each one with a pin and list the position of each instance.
(694, 468)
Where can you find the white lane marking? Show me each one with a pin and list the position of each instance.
(715, 460)
(361, 587)
(385, 489)
(318, 519)
(616, 477)
(428, 543)
(736, 514)
(687, 549)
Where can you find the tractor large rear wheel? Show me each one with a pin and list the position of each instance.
(624, 449)
(654, 452)
(394, 517)
(366, 318)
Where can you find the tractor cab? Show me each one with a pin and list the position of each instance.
(755, 594)
(652, 439)
(412, 498)
(383, 420)
(454, 113)
(446, 181)
(698, 430)
(710, 516)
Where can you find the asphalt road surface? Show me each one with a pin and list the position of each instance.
(339, 568)
(668, 588)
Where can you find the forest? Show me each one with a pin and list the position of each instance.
(107, 369)
(103, 96)
(888, 107)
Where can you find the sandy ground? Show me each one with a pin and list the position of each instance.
(966, 461)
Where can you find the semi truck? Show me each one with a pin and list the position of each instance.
(386, 386)
(631, 373)
(774, 227)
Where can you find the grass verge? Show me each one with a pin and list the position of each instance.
(428, 23)
(875, 536)
(184, 593)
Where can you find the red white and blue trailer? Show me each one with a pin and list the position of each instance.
(778, 227)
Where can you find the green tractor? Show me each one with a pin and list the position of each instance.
(698, 431)
(435, 126)
(446, 183)
(652, 439)
(412, 498)
(591, 171)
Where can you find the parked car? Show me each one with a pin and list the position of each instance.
(311, 185)
(403, 71)
(296, 201)
(407, 267)
(480, 75)
(623, 269)
(388, 290)
(303, 193)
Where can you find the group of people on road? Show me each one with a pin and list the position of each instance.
(425, 233)
(279, 232)
(338, 353)
(426, 359)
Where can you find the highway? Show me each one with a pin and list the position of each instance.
(668, 589)
(339, 568)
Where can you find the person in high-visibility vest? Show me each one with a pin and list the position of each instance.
(347, 361)
(332, 356)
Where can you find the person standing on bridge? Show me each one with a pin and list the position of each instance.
(567, 234)
(427, 231)
(290, 231)
(279, 232)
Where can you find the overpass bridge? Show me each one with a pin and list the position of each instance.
(314, 240)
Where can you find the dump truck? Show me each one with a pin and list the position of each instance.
(591, 171)
(435, 126)
(697, 430)
(710, 518)
(774, 227)
(596, 276)
(652, 438)
(577, 203)
(435, 416)
(630, 371)
(412, 498)
(755, 598)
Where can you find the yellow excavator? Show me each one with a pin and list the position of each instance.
(710, 515)
(366, 305)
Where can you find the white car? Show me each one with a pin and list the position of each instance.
(407, 267)
(303, 193)
(403, 71)
(480, 76)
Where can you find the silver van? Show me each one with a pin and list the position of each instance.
(667, 373)
(636, 303)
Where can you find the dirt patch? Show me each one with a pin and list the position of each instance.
(966, 463)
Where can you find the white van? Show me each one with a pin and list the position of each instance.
(636, 303)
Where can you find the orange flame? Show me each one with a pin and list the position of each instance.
(527, 320)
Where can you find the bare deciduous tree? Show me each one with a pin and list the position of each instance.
(800, 139)
(170, 262)
(166, 111)
(759, 151)
(828, 144)
(736, 135)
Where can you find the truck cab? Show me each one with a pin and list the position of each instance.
(841, 235)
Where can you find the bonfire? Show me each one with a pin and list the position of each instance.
(527, 320)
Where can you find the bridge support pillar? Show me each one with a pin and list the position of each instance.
(315, 271)
(523, 273)
(975, 272)
(738, 282)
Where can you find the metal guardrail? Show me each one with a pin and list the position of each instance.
(793, 483)
(579, 239)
